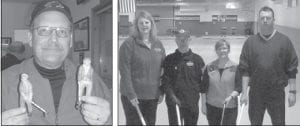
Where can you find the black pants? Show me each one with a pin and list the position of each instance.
(147, 107)
(271, 100)
(214, 115)
(188, 115)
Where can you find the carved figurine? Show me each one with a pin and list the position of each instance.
(85, 79)
(26, 93)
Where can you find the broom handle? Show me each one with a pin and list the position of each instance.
(241, 114)
(223, 112)
(178, 115)
(140, 114)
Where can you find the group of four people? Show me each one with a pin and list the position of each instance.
(268, 63)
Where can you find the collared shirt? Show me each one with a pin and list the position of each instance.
(42, 94)
(140, 68)
(182, 77)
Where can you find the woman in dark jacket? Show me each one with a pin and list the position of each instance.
(140, 61)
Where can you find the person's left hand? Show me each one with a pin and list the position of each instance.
(160, 99)
(95, 110)
(227, 100)
(204, 109)
(292, 99)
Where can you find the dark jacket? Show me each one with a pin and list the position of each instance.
(140, 68)
(182, 78)
(268, 63)
(9, 60)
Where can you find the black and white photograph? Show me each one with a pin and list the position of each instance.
(81, 35)
(208, 62)
(5, 41)
(57, 69)
(150, 62)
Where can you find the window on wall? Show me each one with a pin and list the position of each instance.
(156, 17)
(218, 18)
(214, 18)
(188, 17)
(124, 25)
(223, 18)
(231, 18)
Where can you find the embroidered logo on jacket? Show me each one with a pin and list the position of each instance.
(190, 63)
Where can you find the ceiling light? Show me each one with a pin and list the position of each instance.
(231, 5)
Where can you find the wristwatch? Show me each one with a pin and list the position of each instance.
(293, 91)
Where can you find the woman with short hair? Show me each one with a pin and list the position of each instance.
(223, 86)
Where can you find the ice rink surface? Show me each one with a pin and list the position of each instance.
(204, 46)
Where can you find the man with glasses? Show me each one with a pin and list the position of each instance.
(181, 81)
(268, 63)
(52, 77)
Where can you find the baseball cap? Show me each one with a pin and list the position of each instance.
(182, 33)
(52, 5)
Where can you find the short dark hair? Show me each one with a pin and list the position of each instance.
(220, 43)
(266, 8)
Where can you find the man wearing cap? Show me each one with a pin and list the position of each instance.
(52, 77)
(13, 56)
(181, 81)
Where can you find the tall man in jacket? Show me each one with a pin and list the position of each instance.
(268, 63)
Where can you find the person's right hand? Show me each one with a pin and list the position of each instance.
(16, 116)
(244, 99)
(176, 100)
(160, 99)
(292, 99)
(227, 100)
(134, 102)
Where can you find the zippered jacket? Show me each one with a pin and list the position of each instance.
(140, 68)
(220, 86)
(183, 78)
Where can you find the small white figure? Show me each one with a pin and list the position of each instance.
(85, 70)
(26, 93)
(85, 79)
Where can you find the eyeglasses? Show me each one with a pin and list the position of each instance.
(61, 32)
